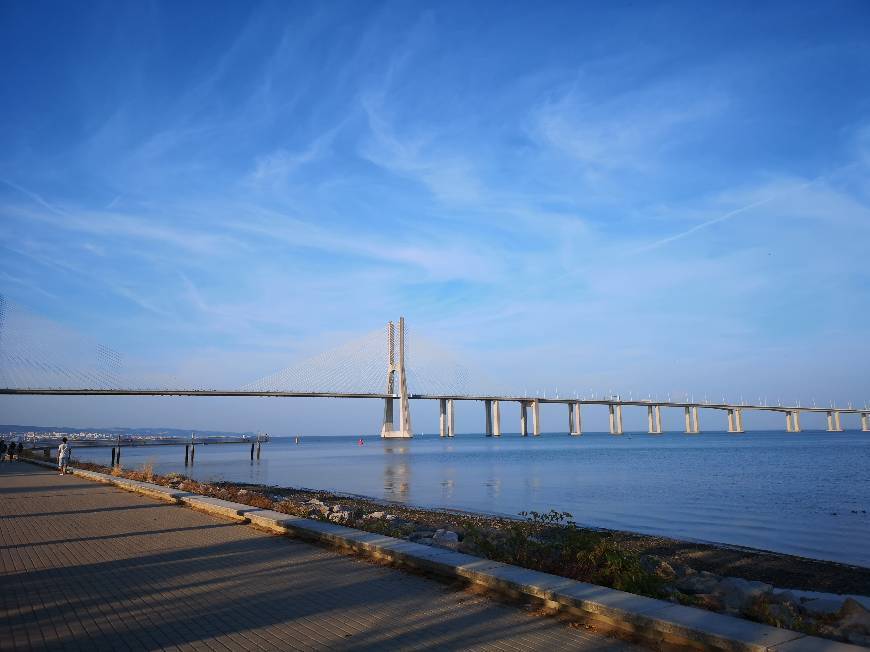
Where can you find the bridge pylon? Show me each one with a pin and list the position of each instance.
(388, 430)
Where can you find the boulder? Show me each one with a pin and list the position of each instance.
(854, 618)
(421, 534)
(709, 601)
(822, 606)
(782, 614)
(681, 570)
(657, 566)
(340, 516)
(446, 539)
(375, 516)
(698, 583)
(318, 507)
(783, 596)
(738, 594)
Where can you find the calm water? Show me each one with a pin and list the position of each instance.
(806, 494)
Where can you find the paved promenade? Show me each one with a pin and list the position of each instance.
(91, 567)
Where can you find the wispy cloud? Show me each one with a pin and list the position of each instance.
(448, 176)
(629, 132)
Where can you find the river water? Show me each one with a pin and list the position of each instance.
(803, 493)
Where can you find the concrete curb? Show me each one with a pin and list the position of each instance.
(661, 623)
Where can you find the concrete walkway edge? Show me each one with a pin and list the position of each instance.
(653, 621)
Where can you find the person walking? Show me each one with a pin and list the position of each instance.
(11, 451)
(63, 453)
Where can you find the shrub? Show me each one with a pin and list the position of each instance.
(148, 471)
(553, 543)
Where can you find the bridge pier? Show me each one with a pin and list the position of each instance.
(387, 426)
(524, 419)
(615, 419)
(442, 417)
(654, 419)
(865, 421)
(536, 418)
(575, 426)
(487, 407)
(693, 423)
(496, 419)
(735, 420)
(834, 421)
(792, 421)
(451, 419)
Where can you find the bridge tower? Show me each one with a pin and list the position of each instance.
(388, 429)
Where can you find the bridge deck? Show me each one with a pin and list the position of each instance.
(86, 566)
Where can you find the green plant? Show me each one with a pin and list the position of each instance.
(553, 543)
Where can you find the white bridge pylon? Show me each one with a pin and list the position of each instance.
(388, 430)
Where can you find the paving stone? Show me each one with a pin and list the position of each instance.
(89, 566)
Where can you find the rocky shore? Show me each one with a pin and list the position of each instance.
(784, 591)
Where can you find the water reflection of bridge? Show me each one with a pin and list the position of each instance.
(397, 471)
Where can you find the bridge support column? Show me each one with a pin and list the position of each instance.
(735, 420)
(451, 422)
(615, 419)
(865, 421)
(837, 422)
(442, 417)
(693, 424)
(574, 426)
(577, 430)
(654, 419)
(496, 419)
(834, 422)
(796, 420)
(524, 419)
(487, 407)
(387, 426)
(536, 418)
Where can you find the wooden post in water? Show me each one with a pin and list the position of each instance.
(192, 453)
(186, 454)
(258, 451)
(113, 456)
(252, 451)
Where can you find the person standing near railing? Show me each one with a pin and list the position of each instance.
(63, 454)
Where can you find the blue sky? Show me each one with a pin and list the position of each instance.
(638, 197)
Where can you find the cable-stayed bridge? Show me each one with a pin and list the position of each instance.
(39, 358)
